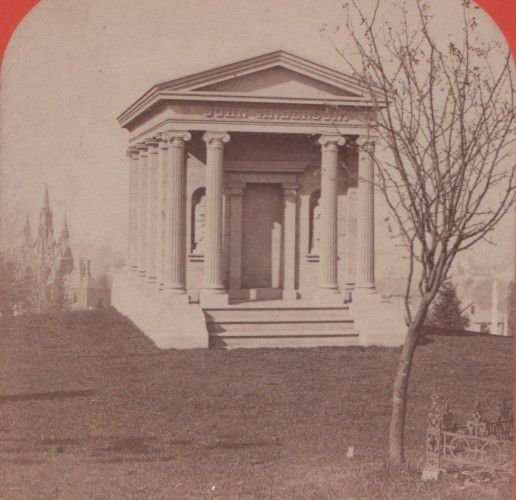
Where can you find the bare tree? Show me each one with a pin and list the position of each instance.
(445, 112)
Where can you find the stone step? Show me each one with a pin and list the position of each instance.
(274, 315)
(310, 339)
(261, 330)
(279, 325)
(300, 327)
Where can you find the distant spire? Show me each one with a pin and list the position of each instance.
(64, 237)
(46, 202)
(45, 217)
(27, 236)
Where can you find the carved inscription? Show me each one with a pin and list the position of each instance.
(295, 115)
(226, 113)
(270, 114)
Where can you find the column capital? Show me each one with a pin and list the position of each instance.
(174, 137)
(366, 142)
(152, 144)
(290, 189)
(331, 141)
(215, 139)
(132, 152)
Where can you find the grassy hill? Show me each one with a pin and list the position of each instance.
(90, 408)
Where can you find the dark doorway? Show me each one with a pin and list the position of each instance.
(262, 222)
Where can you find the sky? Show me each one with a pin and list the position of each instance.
(73, 66)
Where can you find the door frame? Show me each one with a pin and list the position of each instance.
(235, 190)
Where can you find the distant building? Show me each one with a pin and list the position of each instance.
(491, 320)
(48, 272)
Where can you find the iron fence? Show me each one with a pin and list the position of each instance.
(479, 442)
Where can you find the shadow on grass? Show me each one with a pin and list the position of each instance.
(45, 396)
(101, 449)
(139, 445)
(235, 445)
(424, 340)
(453, 332)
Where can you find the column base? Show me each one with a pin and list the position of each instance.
(289, 295)
(172, 296)
(213, 297)
(363, 292)
(328, 297)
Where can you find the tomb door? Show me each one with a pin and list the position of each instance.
(262, 226)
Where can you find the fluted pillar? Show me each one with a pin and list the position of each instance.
(289, 240)
(161, 212)
(132, 153)
(142, 210)
(365, 254)
(236, 193)
(175, 214)
(152, 204)
(213, 259)
(328, 281)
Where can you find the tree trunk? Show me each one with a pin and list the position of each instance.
(399, 395)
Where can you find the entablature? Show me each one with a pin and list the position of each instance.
(253, 118)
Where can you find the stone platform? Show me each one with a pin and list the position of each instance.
(178, 324)
(169, 323)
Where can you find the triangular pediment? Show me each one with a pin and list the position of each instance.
(276, 82)
(278, 74)
(277, 77)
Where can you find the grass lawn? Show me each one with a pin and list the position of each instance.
(90, 408)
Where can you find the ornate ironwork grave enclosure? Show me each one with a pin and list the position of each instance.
(479, 442)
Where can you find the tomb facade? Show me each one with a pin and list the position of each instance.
(251, 219)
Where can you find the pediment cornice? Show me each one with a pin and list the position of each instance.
(347, 92)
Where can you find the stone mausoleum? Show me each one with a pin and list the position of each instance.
(252, 210)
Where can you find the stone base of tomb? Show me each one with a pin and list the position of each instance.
(257, 318)
(168, 320)
(379, 322)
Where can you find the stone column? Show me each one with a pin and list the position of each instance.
(289, 240)
(142, 210)
(213, 290)
(152, 203)
(132, 153)
(365, 230)
(235, 231)
(175, 254)
(161, 212)
(328, 288)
